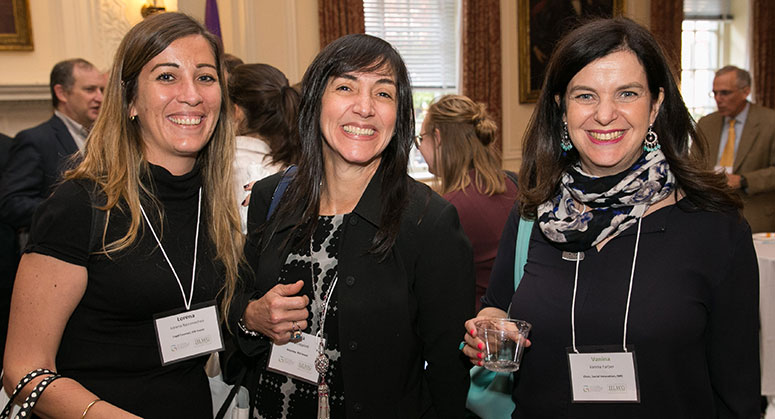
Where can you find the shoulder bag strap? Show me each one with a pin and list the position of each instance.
(280, 189)
(520, 254)
(512, 176)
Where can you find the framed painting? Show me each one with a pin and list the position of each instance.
(540, 24)
(15, 26)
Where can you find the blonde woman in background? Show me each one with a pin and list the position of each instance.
(457, 141)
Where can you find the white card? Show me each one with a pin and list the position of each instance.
(188, 334)
(296, 359)
(603, 377)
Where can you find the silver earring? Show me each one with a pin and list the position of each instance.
(650, 143)
(565, 143)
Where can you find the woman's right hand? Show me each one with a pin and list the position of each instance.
(275, 313)
(474, 346)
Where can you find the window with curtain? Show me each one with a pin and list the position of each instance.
(426, 33)
(700, 50)
(713, 35)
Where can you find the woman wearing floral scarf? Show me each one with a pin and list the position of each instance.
(641, 280)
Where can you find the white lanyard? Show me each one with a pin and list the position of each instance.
(326, 300)
(629, 294)
(187, 303)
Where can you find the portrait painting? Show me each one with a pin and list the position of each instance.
(541, 23)
(15, 26)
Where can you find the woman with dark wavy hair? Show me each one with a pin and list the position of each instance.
(365, 271)
(641, 279)
(133, 248)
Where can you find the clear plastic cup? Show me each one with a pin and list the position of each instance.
(504, 342)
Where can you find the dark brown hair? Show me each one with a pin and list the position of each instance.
(543, 161)
(271, 108)
(352, 53)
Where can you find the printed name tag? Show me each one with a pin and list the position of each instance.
(603, 377)
(296, 359)
(188, 334)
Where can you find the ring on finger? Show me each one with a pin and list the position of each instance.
(295, 333)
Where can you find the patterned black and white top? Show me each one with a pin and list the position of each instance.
(278, 395)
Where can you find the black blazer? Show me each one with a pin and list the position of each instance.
(38, 158)
(393, 315)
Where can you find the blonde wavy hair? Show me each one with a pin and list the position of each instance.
(113, 157)
(467, 142)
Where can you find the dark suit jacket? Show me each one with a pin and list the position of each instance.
(393, 315)
(38, 158)
(755, 159)
(9, 255)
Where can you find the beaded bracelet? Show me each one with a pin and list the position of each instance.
(244, 329)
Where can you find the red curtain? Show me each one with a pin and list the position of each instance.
(762, 14)
(338, 18)
(666, 20)
(481, 50)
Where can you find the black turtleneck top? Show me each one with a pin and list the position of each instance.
(109, 344)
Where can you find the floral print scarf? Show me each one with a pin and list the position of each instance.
(609, 204)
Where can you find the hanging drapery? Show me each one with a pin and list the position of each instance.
(481, 50)
(212, 20)
(338, 18)
(666, 21)
(763, 50)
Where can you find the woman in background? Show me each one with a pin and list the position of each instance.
(137, 232)
(641, 279)
(266, 108)
(457, 140)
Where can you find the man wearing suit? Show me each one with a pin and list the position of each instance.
(741, 142)
(40, 155)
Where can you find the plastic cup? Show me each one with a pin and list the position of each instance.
(504, 342)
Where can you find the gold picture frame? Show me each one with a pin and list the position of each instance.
(15, 26)
(536, 37)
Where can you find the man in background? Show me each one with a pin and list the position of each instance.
(741, 140)
(39, 155)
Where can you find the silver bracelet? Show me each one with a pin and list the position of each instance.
(244, 329)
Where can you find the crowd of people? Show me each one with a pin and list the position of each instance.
(336, 284)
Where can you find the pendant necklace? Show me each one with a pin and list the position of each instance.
(322, 362)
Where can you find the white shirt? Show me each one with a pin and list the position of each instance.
(251, 163)
(76, 130)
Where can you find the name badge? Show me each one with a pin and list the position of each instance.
(603, 377)
(188, 334)
(296, 359)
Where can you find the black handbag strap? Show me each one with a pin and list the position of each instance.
(30, 401)
(237, 384)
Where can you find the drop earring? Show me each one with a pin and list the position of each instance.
(565, 143)
(650, 143)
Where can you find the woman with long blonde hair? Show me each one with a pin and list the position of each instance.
(140, 223)
(457, 141)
